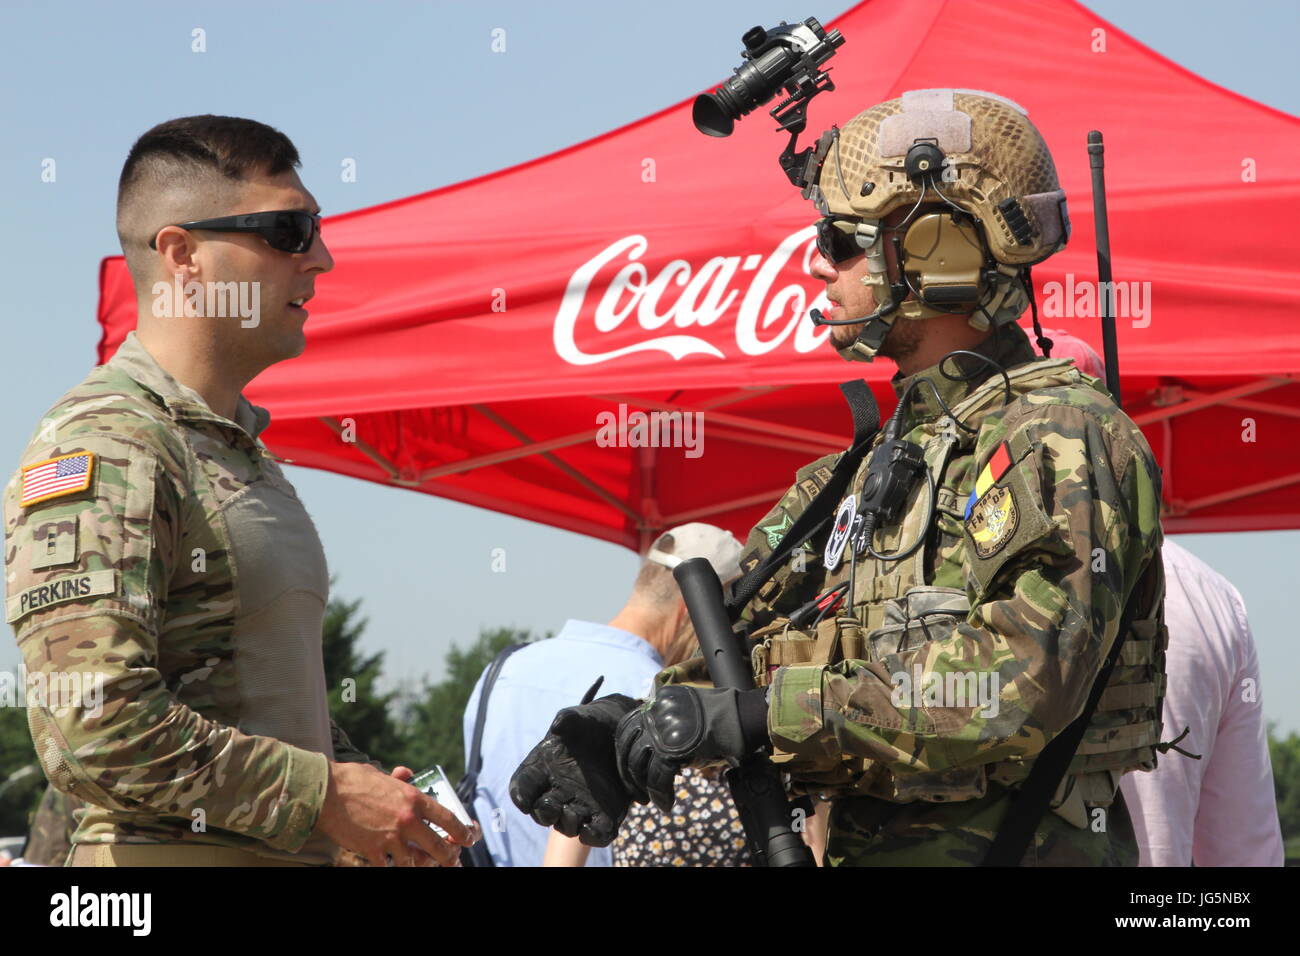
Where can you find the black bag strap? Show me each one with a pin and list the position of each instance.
(478, 855)
(468, 786)
(1029, 805)
(866, 422)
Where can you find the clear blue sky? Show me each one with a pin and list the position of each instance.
(412, 91)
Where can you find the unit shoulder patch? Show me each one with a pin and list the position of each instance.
(775, 532)
(993, 520)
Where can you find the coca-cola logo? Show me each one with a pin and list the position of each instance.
(613, 288)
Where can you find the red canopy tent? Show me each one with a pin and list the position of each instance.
(472, 341)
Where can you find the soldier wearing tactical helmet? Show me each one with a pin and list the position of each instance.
(919, 661)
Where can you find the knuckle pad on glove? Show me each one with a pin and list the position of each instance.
(676, 721)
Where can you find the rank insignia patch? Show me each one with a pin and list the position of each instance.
(992, 522)
(55, 477)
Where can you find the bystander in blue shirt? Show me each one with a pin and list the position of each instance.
(534, 683)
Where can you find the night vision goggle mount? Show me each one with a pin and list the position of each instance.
(788, 57)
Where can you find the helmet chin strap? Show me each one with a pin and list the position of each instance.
(869, 340)
(1007, 305)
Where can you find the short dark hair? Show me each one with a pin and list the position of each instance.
(192, 149)
(233, 146)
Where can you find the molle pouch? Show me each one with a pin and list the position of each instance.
(922, 614)
(1080, 796)
(779, 645)
(853, 642)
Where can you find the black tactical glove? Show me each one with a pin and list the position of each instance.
(687, 725)
(570, 780)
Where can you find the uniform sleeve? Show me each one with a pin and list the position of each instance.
(345, 751)
(1076, 522)
(86, 581)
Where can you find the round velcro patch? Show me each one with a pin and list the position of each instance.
(840, 533)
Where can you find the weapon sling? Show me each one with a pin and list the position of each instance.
(866, 422)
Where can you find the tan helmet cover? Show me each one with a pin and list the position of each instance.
(992, 153)
(996, 167)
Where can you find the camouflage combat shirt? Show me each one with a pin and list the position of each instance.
(1041, 606)
(167, 588)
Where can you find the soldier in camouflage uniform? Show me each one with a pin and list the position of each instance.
(911, 671)
(165, 584)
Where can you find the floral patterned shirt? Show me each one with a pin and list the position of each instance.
(703, 829)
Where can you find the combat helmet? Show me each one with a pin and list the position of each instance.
(981, 194)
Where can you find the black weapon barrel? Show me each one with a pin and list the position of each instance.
(723, 652)
(755, 784)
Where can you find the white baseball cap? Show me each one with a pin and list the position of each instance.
(698, 540)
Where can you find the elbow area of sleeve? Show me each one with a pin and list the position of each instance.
(305, 784)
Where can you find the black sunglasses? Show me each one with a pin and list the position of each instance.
(837, 239)
(287, 230)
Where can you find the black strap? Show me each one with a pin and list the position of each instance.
(468, 786)
(478, 855)
(1030, 803)
(866, 422)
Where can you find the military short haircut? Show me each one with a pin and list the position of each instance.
(201, 156)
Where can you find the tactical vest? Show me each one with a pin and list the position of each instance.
(902, 604)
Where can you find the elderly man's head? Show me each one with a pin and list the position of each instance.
(656, 593)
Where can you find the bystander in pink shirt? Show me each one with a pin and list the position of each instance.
(1220, 810)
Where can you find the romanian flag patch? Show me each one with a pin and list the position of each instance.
(55, 477)
(995, 469)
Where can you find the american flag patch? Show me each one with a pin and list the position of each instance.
(57, 476)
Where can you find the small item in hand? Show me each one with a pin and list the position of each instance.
(434, 782)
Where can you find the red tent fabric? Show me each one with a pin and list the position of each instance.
(471, 341)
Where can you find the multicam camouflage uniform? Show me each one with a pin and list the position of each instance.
(187, 581)
(1027, 588)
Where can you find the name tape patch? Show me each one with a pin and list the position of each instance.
(70, 587)
(55, 477)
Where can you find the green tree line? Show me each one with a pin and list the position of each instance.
(421, 725)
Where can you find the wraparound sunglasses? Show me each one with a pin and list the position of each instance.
(286, 230)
